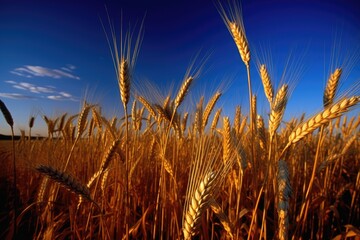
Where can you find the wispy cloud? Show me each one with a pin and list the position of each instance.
(62, 96)
(16, 96)
(47, 92)
(29, 71)
(69, 68)
(31, 87)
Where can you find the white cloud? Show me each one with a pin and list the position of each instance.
(16, 96)
(54, 97)
(72, 67)
(38, 71)
(32, 88)
(48, 92)
(20, 72)
(62, 96)
(68, 68)
(11, 82)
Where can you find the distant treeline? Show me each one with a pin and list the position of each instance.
(8, 137)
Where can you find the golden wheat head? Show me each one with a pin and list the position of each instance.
(323, 117)
(331, 87)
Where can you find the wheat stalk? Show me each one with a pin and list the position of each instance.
(284, 192)
(254, 111)
(323, 117)
(8, 118)
(216, 208)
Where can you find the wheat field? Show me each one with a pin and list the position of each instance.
(157, 172)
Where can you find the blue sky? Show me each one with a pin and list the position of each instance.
(55, 54)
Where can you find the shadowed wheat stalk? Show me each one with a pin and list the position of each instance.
(9, 119)
(216, 208)
(284, 192)
(67, 181)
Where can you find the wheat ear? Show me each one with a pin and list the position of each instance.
(7, 115)
(31, 122)
(323, 117)
(42, 190)
(260, 126)
(232, 18)
(216, 208)
(215, 120)
(147, 105)
(209, 107)
(182, 92)
(197, 205)
(124, 81)
(184, 122)
(266, 81)
(96, 115)
(167, 166)
(62, 122)
(108, 156)
(241, 42)
(65, 180)
(331, 87)
(278, 109)
(82, 119)
(237, 119)
(227, 146)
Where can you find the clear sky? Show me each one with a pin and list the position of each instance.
(53, 54)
